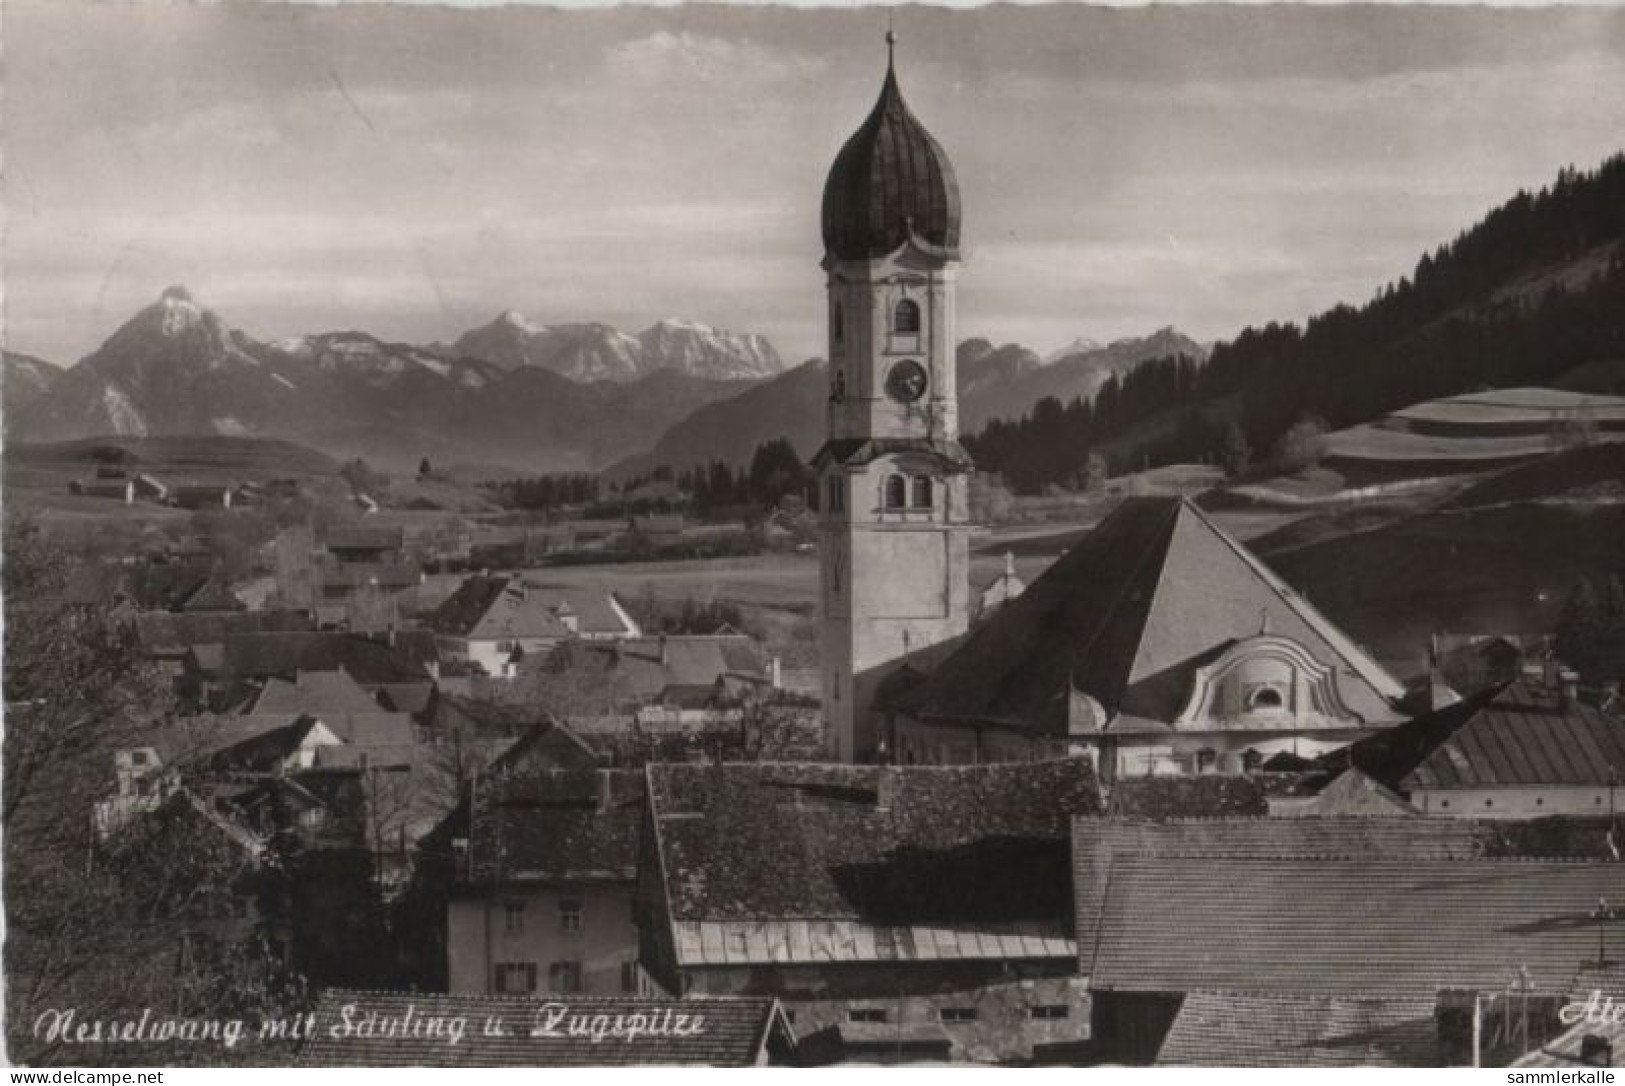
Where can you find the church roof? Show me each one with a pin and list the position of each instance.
(1125, 618)
(890, 183)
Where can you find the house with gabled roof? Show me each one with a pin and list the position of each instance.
(1159, 645)
(491, 623)
(1519, 750)
(927, 904)
(543, 883)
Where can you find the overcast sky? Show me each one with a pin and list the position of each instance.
(414, 171)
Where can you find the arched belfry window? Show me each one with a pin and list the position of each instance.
(922, 492)
(906, 317)
(896, 492)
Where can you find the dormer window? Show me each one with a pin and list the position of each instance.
(896, 496)
(1265, 699)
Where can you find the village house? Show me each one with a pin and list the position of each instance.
(418, 1029)
(1518, 750)
(202, 496)
(544, 882)
(121, 490)
(494, 623)
(1158, 644)
(363, 577)
(916, 909)
(1390, 928)
(399, 667)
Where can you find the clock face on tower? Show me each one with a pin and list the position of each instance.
(906, 381)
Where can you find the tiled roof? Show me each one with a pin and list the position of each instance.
(162, 586)
(1226, 1029)
(369, 661)
(1098, 842)
(490, 608)
(717, 1032)
(555, 824)
(1513, 735)
(1125, 617)
(644, 668)
(784, 850)
(316, 692)
(1213, 796)
(1351, 927)
(596, 611)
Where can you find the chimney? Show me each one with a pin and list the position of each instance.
(1568, 686)
(606, 789)
(1596, 1051)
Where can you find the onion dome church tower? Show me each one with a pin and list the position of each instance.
(892, 475)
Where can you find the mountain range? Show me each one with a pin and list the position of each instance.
(598, 352)
(993, 382)
(179, 368)
(510, 394)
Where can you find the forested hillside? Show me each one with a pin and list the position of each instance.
(1534, 290)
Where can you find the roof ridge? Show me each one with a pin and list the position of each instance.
(1355, 655)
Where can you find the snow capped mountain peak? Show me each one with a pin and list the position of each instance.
(1081, 345)
(180, 312)
(675, 325)
(516, 320)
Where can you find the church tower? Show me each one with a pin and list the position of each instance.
(892, 474)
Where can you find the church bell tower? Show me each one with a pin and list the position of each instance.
(892, 475)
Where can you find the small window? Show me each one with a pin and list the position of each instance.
(906, 317)
(866, 1014)
(958, 1014)
(570, 917)
(564, 977)
(1265, 697)
(1540, 801)
(1489, 803)
(896, 492)
(1251, 760)
(1205, 758)
(138, 757)
(514, 978)
(1444, 803)
(513, 915)
(922, 492)
(1051, 1011)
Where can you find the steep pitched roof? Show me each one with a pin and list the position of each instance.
(412, 1029)
(490, 608)
(369, 661)
(646, 667)
(1516, 734)
(318, 692)
(1349, 927)
(1125, 617)
(1229, 1029)
(596, 611)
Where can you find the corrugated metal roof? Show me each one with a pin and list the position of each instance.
(1523, 736)
(767, 942)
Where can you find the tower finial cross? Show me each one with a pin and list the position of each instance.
(891, 40)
